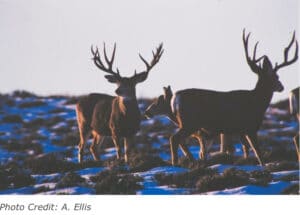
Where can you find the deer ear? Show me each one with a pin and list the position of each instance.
(169, 88)
(112, 78)
(168, 92)
(138, 78)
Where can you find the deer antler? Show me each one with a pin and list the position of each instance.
(251, 62)
(156, 57)
(98, 62)
(286, 62)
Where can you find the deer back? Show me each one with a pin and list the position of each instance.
(216, 111)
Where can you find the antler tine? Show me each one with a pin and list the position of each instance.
(155, 59)
(286, 62)
(98, 62)
(245, 41)
(96, 58)
(254, 54)
(254, 51)
(109, 62)
(251, 62)
(147, 65)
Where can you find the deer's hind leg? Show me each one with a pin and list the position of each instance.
(296, 143)
(97, 141)
(186, 151)
(200, 138)
(245, 146)
(84, 133)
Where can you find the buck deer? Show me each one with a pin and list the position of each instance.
(294, 110)
(163, 106)
(116, 116)
(235, 112)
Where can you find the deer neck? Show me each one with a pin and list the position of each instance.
(127, 105)
(172, 117)
(171, 110)
(263, 93)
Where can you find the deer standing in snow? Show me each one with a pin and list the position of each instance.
(235, 112)
(116, 116)
(162, 105)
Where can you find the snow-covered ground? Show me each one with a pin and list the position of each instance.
(38, 155)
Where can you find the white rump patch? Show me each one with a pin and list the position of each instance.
(175, 101)
(294, 106)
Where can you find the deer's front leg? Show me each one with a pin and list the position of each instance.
(117, 143)
(175, 140)
(226, 144)
(245, 146)
(128, 141)
(296, 143)
(253, 142)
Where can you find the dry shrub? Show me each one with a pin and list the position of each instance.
(49, 163)
(110, 182)
(13, 118)
(70, 179)
(229, 179)
(187, 179)
(32, 104)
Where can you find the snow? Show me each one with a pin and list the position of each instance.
(77, 190)
(161, 145)
(47, 178)
(19, 191)
(222, 167)
(60, 125)
(88, 172)
(273, 188)
(150, 185)
(277, 175)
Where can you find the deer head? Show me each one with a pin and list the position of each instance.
(126, 85)
(265, 71)
(161, 105)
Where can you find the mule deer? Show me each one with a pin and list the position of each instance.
(235, 112)
(162, 106)
(294, 110)
(115, 116)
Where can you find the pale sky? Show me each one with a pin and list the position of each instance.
(45, 44)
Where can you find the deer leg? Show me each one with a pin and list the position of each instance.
(296, 143)
(127, 147)
(84, 135)
(223, 143)
(186, 151)
(202, 151)
(245, 146)
(175, 140)
(226, 146)
(253, 142)
(97, 139)
(117, 142)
